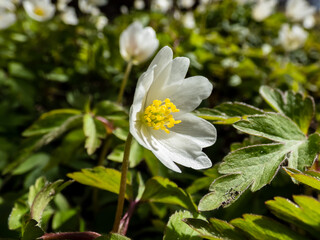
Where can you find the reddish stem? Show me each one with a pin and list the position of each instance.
(71, 236)
(124, 223)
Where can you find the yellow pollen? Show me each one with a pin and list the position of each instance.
(158, 115)
(38, 11)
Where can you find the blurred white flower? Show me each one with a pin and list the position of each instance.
(266, 49)
(62, 4)
(309, 22)
(263, 9)
(292, 39)
(6, 18)
(69, 16)
(163, 100)
(139, 4)
(298, 10)
(124, 9)
(161, 5)
(91, 6)
(188, 20)
(101, 22)
(7, 5)
(39, 10)
(185, 3)
(137, 44)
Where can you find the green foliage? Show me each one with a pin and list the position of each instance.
(257, 165)
(178, 229)
(103, 178)
(59, 118)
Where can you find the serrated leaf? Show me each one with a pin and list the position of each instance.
(310, 178)
(305, 214)
(178, 229)
(294, 105)
(305, 153)
(35, 189)
(215, 229)
(90, 131)
(260, 227)
(32, 231)
(228, 113)
(43, 198)
(162, 190)
(103, 178)
(272, 126)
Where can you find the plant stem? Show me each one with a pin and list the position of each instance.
(71, 236)
(124, 82)
(124, 223)
(123, 184)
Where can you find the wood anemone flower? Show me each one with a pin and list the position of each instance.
(160, 118)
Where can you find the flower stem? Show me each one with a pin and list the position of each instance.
(124, 82)
(71, 236)
(123, 184)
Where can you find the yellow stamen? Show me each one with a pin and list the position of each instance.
(158, 115)
(39, 11)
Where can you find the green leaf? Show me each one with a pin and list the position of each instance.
(253, 165)
(294, 105)
(135, 157)
(178, 229)
(310, 178)
(305, 214)
(113, 236)
(228, 113)
(19, 209)
(32, 231)
(162, 190)
(38, 160)
(43, 198)
(61, 218)
(53, 121)
(215, 229)
(90, 131)
(103, 178)
(272, 126)
(35, 189)
(260, 227)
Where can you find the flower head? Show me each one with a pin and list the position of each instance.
(137, 44)
(91, 6)
(160, 118)
(292, 39)
(298, 10)
(69, 16)
(263, 9)
(7, 17)
(39, 10)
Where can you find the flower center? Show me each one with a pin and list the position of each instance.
(158, 115)
(38, 11)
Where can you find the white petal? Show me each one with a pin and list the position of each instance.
(188, 95)
(176, 148)
(161, 60)
(173, 74)
(199, 130)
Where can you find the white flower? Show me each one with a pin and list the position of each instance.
(69, 16)
(101, 22)
(298, 10)
(185, 3)
(292, 39)
(6, 19)
(139, 4)
(263, 9)
(137, 44)
(62, 4)
(188, 20)
(309, 22)
(91, 6)
(266, 49)
(160, 118)
(161, 5)
(39, 10)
